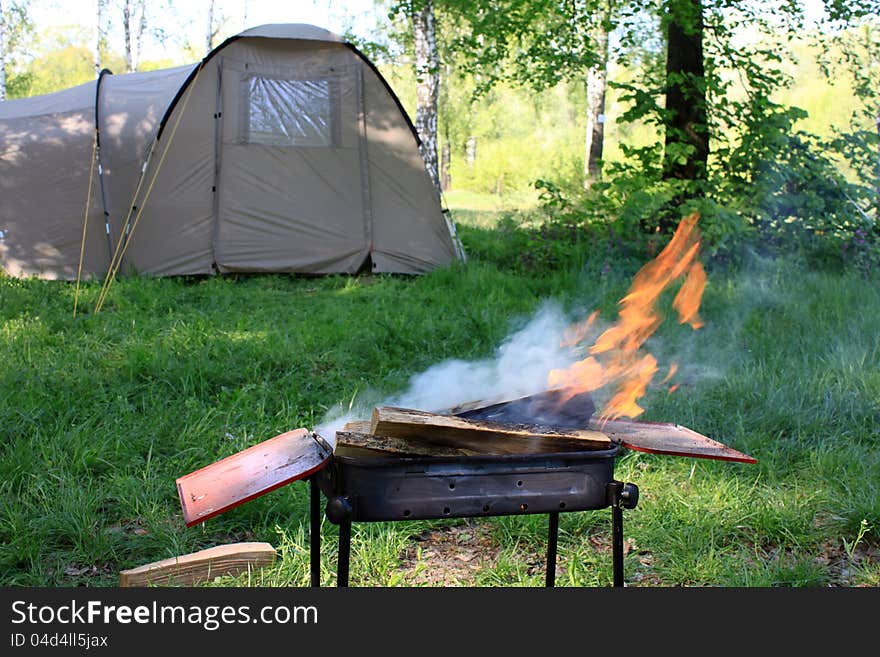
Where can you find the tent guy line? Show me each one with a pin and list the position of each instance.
(130, 225)
(82, 247)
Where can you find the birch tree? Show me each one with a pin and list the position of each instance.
(2, 52)
(597, 79)
(134, 24)
(213, 25)
(446, 150)
(101, 36)
(427, 69)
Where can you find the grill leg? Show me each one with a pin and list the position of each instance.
(620, 496)
(315, 532)
(617, 543)
(344, 553)
(552, 540)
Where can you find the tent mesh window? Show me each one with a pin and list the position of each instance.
(283, 112)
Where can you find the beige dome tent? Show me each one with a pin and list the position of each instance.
(284, 150)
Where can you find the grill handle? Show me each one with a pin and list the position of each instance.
(629, 496)
(339, 510)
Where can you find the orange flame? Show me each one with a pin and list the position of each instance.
(616, 357)
(672, 370)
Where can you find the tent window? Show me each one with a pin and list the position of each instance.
(298, 113)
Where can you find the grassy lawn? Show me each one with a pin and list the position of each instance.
(100, 414)
(465, 200)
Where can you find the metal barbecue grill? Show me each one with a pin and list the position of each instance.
(386, 489)
(372, 486)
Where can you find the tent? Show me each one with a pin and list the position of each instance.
(283, 150)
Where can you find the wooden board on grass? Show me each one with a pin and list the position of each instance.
(202, 566)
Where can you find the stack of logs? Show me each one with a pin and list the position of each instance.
(409, 432)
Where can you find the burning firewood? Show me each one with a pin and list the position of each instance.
(557, 408)
(481, 436)
(577, 411)
(541, 423)
(355, 439)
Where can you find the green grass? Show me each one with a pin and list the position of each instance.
(464, 200)
(100, 414)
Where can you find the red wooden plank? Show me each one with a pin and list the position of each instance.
(250, 473)
(669, 439)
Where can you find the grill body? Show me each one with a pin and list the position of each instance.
(374, 489)
(377, 489)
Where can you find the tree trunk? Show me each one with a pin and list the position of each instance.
(101, 39)
(687, 134)
(428, 82)
(877, 169)
(471, 150)
(446, 148)
(596, 85)
(139, 35)
(445, 163)
(2, 53)
(209, 35)
(126, 31)
(134, 24)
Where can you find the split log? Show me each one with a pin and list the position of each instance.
(379, 445)
(357, 426)
(202, 566)
(480, 436)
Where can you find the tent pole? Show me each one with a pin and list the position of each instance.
(218, 163)
(104, 72)
(364, 161)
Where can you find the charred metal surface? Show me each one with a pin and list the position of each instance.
(449, 487)
(550, 409)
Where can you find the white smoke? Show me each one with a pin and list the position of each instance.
(518, 368)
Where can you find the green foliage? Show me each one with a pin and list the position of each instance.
(60, 69)
(536, 43)
(18, 31)
(18, 85)
(854, 53)
(862, 251)
(771, 186)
